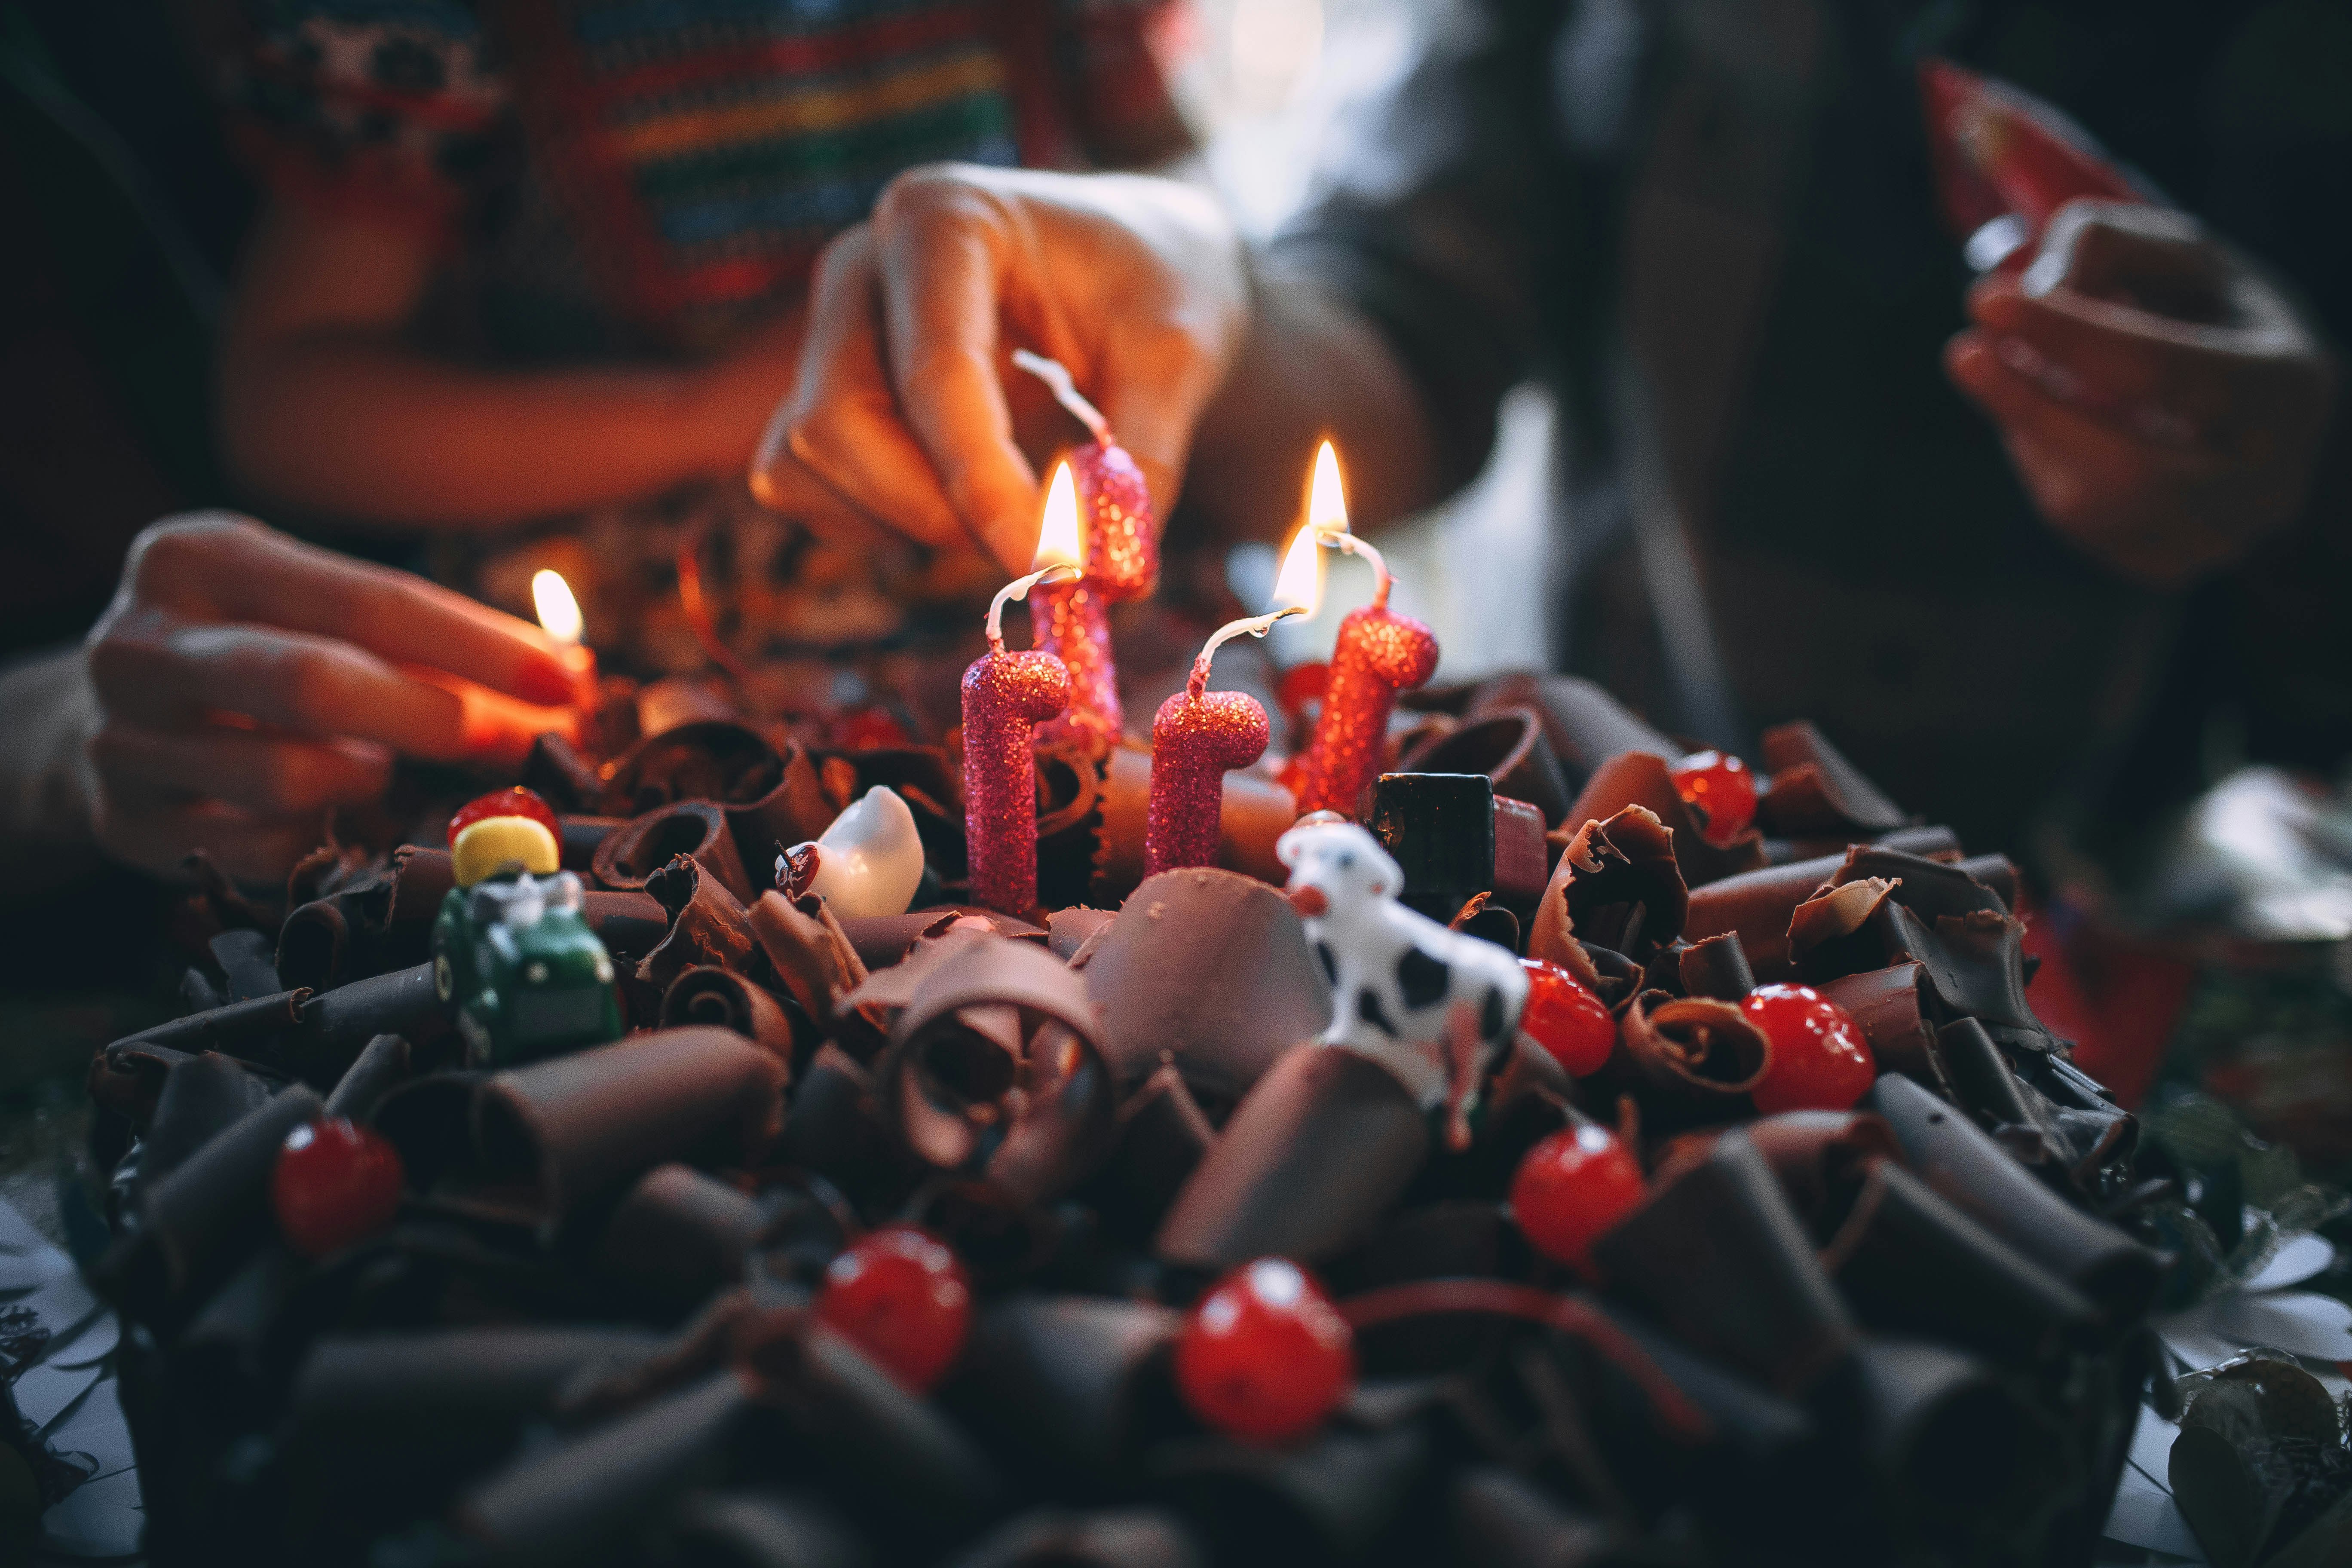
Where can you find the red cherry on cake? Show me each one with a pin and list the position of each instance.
(1722, 789)
(899, 1295)
(335, 1182)
(1567, 1019)
(1265, 1356)
(1821, 1058)
(515, 802)
(1572, 1186)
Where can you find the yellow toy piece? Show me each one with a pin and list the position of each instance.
(485, 845)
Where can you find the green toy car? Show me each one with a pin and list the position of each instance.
(514, 954)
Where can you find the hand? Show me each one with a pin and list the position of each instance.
(2162, 401)
(245, 683)
(901, 407)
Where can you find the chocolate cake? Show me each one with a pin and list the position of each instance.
(910, 1237)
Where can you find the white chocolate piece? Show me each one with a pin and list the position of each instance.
(870, 859)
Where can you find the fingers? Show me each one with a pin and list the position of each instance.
(156, 668)
(265, 775)
(218, 567)
(160, 835)
(841, 424)
(948, 253)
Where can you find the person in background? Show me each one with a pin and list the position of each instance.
(528, 281)
(2034, 548)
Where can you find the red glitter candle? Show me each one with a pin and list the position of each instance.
(1379, 654)
(1197, 735)
(1006, 696)
(1119, 551)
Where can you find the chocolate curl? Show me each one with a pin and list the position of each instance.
(381, 919)
(1972, 948)
(1984, 1085)
(1895, 1009)
(1717, 967)
(1252, 811)
(882, 940)
(1964, 1164)
(972, 1085)
(1617, 884)
(1821, 1158)
(1959, 1459)
(679, 1236)
(201, 1097)
(200, 1218)
(574, 1502)
(814, 957)
(1637, 778)
(430, 1120)
(630, 925)
(836, 1127)
(1816, 791)
(248, 963)
(1210, 971)
(577, 1125)
(1074, 1386)
(706, 995)
(1069, 931)
(1694, 1047)
(336, 1024)
(1757, 905)
(395, 1388)
(1312, 1158)
(236, 1030)
(1913, 1264)
(631, 853)
(1163, 1135)
(1716, 1255)
(1333, 1498)
(762, 1530)
(555, 771)
(1522, 860)
(1584, 725)
(1503, 1520)
(1507, 746)
(707, 925)
(381, 1067)
(577, 838)
(1050, 1537)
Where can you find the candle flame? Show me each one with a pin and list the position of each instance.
(1059, 541)
(1326, 498)
(1299, 586)
(558, 612)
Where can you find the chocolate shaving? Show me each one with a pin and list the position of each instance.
(708, 925)
(1715, 966)
(1584, 725)
(707, 995)
(1637, 778)
(815, 961)
(1506, 744)
(1816, 790)
(1693, 1046)
(379, 1068)
(631, 853)
(1898, 1011)
(560, 775)
(1617, 884)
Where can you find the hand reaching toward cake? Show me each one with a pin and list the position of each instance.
(2162, 401)
(242, 683)
(1137, 284)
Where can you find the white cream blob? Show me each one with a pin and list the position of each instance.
(869, 860)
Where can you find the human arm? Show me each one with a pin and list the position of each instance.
(243, 684)
(327, 405)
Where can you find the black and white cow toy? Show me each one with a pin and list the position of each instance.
(1433, 1006)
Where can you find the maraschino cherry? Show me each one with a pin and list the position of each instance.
(1570, 1188)
(1567, 1019)
(335, 1182)
(515, 802)
(1721, 789)
(1821, 1058)
(899, 1295)
(1265, 1356)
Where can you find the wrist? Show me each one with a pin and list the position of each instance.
(47, 794)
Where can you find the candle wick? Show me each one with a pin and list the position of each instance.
(1065, 391)
(1248, 626)
(1352, 545)
(1017, 589)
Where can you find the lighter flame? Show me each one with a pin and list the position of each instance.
(1300, 585)
(1059, 541)
(1326, 498)
(558, 612)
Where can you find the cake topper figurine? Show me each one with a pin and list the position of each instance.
(512, 951)
(1433, 1006)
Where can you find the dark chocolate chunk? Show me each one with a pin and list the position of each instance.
(1522, 860)
(1440, 830)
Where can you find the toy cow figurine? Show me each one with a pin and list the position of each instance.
(1433, 1006)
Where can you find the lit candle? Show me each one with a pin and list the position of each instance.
(559, 616)
(1118, 554)
(1006, 696)
(1199, 734)
(1379, 654)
